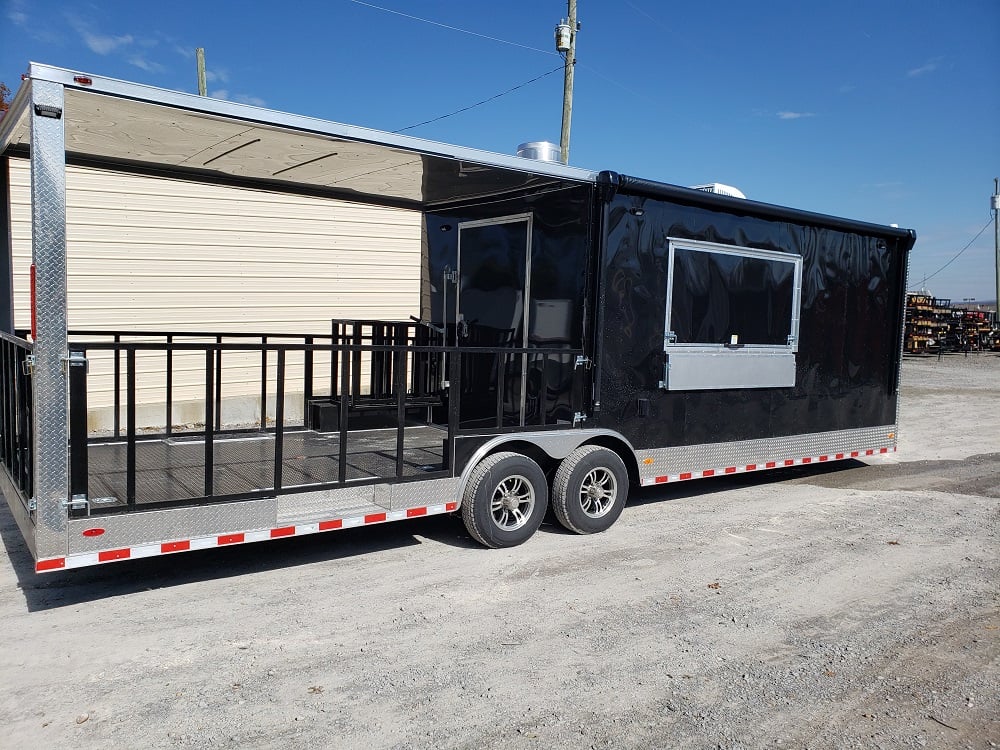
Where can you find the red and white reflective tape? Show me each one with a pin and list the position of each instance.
(700, 474)
(83, 559)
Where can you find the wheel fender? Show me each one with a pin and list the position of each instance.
(556, 445)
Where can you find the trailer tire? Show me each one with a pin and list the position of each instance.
(589, 489)
(505, 500)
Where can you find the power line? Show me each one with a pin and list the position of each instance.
(484, 101)
(452, 28)
(513, 44)
(959, 252)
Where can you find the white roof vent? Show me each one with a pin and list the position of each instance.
(720, 189)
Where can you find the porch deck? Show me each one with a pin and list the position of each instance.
(172, 470)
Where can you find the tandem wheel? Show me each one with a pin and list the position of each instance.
(505, 500)
(589, 489)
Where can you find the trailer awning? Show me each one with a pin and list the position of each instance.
(131, 125)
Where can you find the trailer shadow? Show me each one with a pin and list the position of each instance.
(66, 588)
(71, 587)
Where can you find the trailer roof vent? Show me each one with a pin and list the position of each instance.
(720, 189)
(539, 150)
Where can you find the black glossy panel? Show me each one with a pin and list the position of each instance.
(849, 333)
(493, 267)
(561, 241)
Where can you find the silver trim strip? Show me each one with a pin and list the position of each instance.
(671, 463)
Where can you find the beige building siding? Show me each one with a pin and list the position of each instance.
(152, 253)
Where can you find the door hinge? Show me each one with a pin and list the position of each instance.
(77, 502)
(669, 337)
(29, 365)
(582, 361)
(579, 418)
(450, 274)
(32, 505)
(75, 359)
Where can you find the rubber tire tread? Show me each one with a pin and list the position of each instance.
(561, 494)
(483, 472)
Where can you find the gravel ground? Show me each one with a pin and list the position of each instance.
(843, 606)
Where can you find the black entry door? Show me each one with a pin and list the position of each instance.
(492, 311)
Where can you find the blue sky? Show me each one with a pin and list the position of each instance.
(881, 110)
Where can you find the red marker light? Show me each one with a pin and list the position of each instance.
(93, 532)
(83, 80)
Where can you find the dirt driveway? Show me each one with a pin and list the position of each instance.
(837, 607)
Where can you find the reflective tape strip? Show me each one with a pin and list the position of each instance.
(85, 559)
(804, 461)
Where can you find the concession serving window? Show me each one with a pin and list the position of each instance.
(732, 318)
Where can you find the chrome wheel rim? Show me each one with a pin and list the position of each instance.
(598, 492)
(512, 503)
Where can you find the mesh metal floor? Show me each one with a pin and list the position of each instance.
(174, 469)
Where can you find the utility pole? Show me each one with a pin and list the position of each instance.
(995, 205)
(568, 47)
(202, 84)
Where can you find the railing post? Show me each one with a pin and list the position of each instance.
(218, 385)
(209, 422)
(454, 402)
(503, 364)
(345, 386)
(6, 403)
(263, 383)
(118, 386)
(334, 354)
(170, 386)
(26, 419)
(78, 459)
(399, 383)
(279, 421)
(130, 428)
(307, 386)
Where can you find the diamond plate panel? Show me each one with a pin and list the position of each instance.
(48, 253)
(419, 494)
(325, 504)
(171, 524)
(696, 458)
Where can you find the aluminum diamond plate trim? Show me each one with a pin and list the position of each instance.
(428, 492)
(659, 465)
(48, 248)
(307, 506)
(105, 554)
(173, 523)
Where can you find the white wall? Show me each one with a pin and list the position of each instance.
(152, 253)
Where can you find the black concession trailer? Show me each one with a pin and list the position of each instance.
(578, 333)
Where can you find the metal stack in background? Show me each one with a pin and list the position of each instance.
(934, 325)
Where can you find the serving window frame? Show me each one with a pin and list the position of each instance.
(712, 365)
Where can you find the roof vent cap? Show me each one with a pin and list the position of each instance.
(719, 189)
(539, 150)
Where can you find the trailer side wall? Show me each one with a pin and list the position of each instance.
(849, 334)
